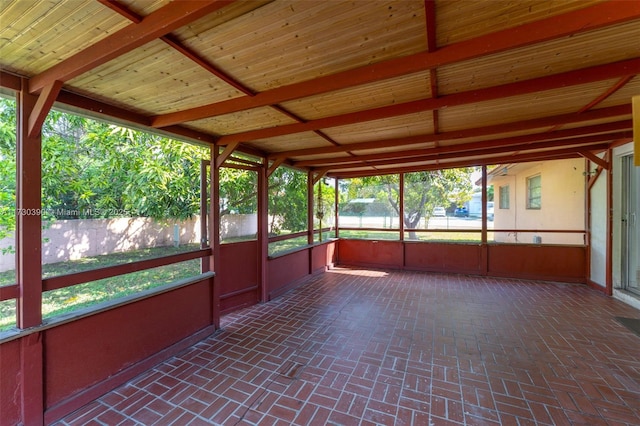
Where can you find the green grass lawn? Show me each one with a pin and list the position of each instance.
(67, 299)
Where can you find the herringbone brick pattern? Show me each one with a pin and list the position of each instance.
(356, 347)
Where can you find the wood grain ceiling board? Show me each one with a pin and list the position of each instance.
(291, 41)
(518, 108)
(459, 20)
(391, 149)
(36, 35)
(143, 7)
(320, 159)
(483, 138)
(196, 33)
(397, 90)
(291, 142)
(405, 125)
(553, 57)
(257, 118)
(156, 86)
(341, 162)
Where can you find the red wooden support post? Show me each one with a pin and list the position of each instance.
(401, 212)
(28, 216)
(483, 238)
(310, 208)
(29, 258)
(263, 231)
(337, 207)
(485, 199)
(214, 230)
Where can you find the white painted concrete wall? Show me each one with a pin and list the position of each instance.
(598, 228)
(74, 239)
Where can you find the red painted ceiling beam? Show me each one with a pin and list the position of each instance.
(559, 138)
(10, 81)
(430, 21)
(164, 20)
(604, 113)
(576, 144)
(589, 18)
(570, 78)
(520, 158)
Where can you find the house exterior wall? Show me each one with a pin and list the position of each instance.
(562, 205)
(598, 232)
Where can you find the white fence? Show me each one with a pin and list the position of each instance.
(74, 239)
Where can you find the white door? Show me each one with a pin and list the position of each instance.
(630, 225)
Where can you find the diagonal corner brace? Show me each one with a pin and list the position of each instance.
(228, 150)
(595, 159)
(319, 174)
(43, 105)
(276, 163)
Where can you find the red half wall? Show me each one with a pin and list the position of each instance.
(237, 275)
(523, 261)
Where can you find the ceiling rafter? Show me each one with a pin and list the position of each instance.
(617, 86)
(455, 164)
(172, 41)
(496, 129)
(489, 160)
(578, 144)
(559, 138)
(567, 24)
(160, 22)
(432, 45)
(569, 78)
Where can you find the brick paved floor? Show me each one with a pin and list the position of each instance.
(356, 347)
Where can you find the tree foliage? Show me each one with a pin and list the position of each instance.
(422, 192)
(238, 191)
(287, 201)
(7, 167)
(92, 169)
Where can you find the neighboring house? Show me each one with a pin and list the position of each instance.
(530, 198)
(475, 206)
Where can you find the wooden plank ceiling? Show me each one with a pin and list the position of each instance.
(346, 88)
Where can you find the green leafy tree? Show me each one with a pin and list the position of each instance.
(7, 168)
(238, 191)
(91, 169)
(422, 192)
(287, 201)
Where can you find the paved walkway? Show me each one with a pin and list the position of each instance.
(361, 347)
